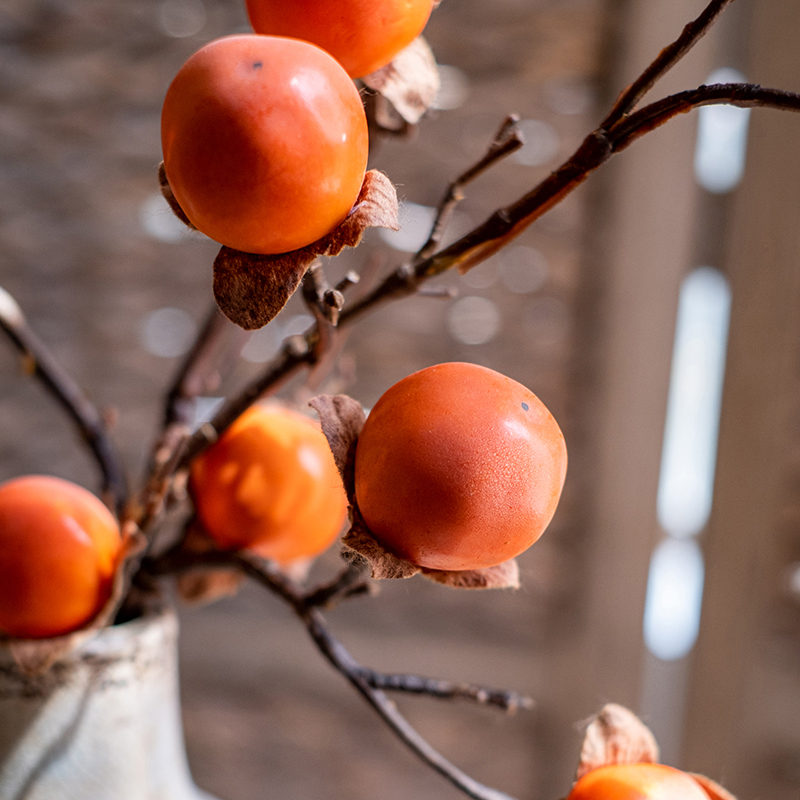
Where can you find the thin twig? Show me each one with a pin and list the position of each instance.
(40, 362)
(433, 687)
(200, 370)
(341, 659)
(353, 580)
(502, 226)
(741, 95)
(507, 140)
(665, 60)
(288, 361)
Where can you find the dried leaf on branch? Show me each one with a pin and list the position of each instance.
(410, 82)
(616, 736)
(251, 289)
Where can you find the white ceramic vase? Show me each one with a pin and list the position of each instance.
(102, 724)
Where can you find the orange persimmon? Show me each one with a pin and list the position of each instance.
(637, 782)
(459, 467)
(270, 484)
(59, 548)
(363, 35)
(264, 141)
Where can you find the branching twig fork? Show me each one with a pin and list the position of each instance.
(665, 60)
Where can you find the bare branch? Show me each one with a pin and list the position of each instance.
(414, 684)
(341, 659)
(742, 95)
(40, 362)
(502, 226)
(665, 60)
(353, 580)
(200, 371)
(290, 359)
(507, 140)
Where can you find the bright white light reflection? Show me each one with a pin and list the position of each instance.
(674, 598)
(473, 320)
(721, 140)
(453, 88)
(415, 227)
(167, 332)
(688, 460)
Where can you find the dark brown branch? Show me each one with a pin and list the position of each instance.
(40, 362)
(353, 580)
(742, 95)
(414, 684)
(344, 663)
(341, 659)
(506, 223)
(507, 140)
(665, 60)
(199, 372)
(290, 359)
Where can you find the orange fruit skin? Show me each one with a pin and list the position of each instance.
(363, 35)
(270, 484)
(637, 782)
(59, 548)
(459, 467)
(265, 142)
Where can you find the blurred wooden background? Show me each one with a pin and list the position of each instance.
(582, 309)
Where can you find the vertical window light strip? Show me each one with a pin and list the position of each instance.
(686, 480)
(689, 454)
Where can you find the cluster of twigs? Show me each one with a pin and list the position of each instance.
(177, 445)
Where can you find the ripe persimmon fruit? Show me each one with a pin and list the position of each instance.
(59, 548)
(459, 467)
(264, 141)
(270, 484)
(637, 782)
(363, 35)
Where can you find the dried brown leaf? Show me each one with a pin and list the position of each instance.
(251, 289)
(616, 736)
(501, 576)
(342, 419)
(712, 789)
(410, 81)
(36, 656)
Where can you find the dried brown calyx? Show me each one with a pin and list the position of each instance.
(617, 736)
(250, 289)
(342, 419)
(410, 83)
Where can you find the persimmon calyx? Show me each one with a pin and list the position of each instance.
(616, 737)
(410, 82)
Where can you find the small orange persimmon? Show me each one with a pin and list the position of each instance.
(363, 35)
(270, 484)
(264, 141)
(59, 547)
(637, 782)
(459, 467)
